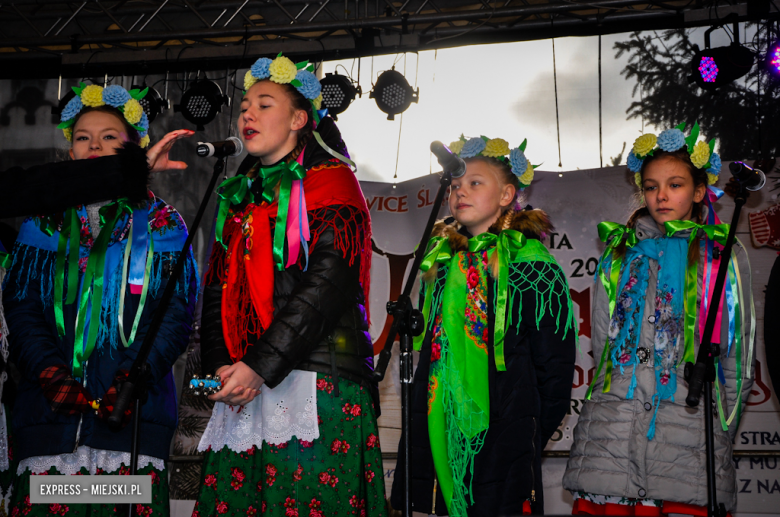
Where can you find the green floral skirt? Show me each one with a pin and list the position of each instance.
(339, 473)
(21, 506)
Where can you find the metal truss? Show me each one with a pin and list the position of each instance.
(45, 38)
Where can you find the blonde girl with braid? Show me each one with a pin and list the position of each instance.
(497, 359)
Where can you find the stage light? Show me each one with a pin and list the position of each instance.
(773, 59)
(338, 92)
(715, 67)
(201, 103)
(153, 104)
(393, 94)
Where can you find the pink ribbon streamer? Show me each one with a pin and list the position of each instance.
(297, 220)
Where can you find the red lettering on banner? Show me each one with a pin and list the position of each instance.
(582, 299)
(398, 265)
(388, 204)
(424, 198)
(372, 201)
(760, 390)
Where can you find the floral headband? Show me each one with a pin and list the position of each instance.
(93, 96)
(283, 71)
(670, 140)
(497, 148)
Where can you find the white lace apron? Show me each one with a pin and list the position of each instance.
(87, 457)
(274, 416)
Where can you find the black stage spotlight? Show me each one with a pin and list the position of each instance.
(338, 92)
(712, 68)
(153, 104)
(393, 94)
(201, 103)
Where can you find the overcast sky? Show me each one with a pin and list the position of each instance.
(500, 91)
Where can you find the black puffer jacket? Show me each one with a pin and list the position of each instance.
(319, 319)
(527, 401)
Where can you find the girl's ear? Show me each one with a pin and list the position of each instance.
(300, 119)
(508, 192)
(70, 152)
(698, 193)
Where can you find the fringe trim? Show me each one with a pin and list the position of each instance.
(31, 264)
(352, 239)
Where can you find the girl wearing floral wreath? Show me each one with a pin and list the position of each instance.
(496, 364)
(284, 322)
(79, 297)
(638, 449)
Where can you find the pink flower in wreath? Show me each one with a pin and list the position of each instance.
(369, 476)
(211, 480)
(355, 410)
(668, 297)
(624, 357)
(372, 441)
(435, 351)
(222, 507)
(335, 446)
(665, 379)
(472, 278)
(324, 478)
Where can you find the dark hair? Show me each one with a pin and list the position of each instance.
(699, 178)
(300, 102)
(132, 133)
(505, 174)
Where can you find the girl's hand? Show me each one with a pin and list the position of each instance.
(157, 155)
(240, 385)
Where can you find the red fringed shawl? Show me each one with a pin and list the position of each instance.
(246, 269)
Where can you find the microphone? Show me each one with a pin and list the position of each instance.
(448, 160)
(230, 147)
(752, 179)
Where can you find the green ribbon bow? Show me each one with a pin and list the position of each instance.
(232, 191)
(509, 244)
(92, 287)
(716, 232)
(613, 234)
(283, 174)
(439, 252)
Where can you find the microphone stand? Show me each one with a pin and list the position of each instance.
(702, 374)
(134, 389)
(409, 322)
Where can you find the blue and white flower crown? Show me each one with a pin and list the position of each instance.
(93, 96)
(497, 148)
(702, 153)
(283, 71)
